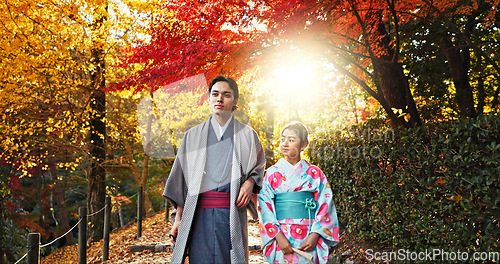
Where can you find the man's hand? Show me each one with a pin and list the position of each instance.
(310, 242)
(176, 224)
(284, 244)
(245, 193)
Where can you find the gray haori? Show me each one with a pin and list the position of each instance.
(196, 161)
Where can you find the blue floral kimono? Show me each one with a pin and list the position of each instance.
(303, 177)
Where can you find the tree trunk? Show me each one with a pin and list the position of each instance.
(268, 152)
(466, 38)
(395, 89)
(148, 207)
(97, 178)
(481, 94)
(6, 253)
(269, 137)
(391, 80)
(459, 64)
(60, 202)
(140, 178)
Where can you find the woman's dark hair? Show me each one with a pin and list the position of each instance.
(231, 82)
(300, 129)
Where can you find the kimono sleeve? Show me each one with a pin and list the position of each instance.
(270, 225)
(326, 223)
(260, 162)
(176, 188)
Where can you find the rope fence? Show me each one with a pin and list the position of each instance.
(94, 213)
(26, 254)
(34, 246)
(61, 236)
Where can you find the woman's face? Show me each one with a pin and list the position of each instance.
(290, 144)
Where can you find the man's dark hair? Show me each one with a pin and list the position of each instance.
(231, 82)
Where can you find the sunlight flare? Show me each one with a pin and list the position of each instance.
(296, 81)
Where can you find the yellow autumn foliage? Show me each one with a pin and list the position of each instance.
(46, 67)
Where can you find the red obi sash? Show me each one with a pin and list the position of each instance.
(211, 199)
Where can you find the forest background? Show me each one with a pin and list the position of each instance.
(401, 99)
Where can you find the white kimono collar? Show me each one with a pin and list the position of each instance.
(218, 129)
(287, 164)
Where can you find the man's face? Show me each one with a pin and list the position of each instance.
(221, 98)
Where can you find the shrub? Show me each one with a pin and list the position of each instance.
(431, 187)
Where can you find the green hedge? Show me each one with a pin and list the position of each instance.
(432, 187)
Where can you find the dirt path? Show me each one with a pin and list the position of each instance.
(154, 231)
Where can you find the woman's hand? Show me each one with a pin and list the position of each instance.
(245, 193)
(284, 244)
(310, 242)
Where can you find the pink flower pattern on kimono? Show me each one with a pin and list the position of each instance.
(298, 231)
(271, 229)
(326, 221)
(323, 209)
(269, 250)
(320, 243)
(275, 179)
(335, 233)
(270, 207)
(316, 194)
(291, 258)
(314, 172)
(303, 177)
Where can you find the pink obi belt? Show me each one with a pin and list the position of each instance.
(211, 199)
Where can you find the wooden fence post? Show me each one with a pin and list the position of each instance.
(82, 235)
(139, 213)
(107, 225)
(33, 248)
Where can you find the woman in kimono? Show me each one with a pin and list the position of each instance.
(296, 206)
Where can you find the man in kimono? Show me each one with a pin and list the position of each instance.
(219, 165)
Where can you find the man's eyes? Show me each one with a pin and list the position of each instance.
(227, 95)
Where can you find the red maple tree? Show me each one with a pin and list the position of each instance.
(361, 38)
